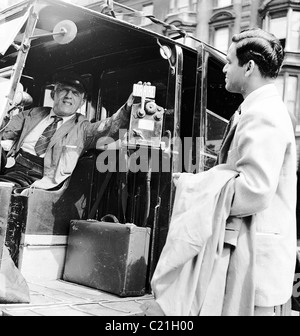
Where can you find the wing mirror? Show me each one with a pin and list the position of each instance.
(63, 33)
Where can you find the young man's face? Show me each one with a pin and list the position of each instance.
(67, 100)
(235, 74)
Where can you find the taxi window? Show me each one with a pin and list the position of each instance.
(215, 128)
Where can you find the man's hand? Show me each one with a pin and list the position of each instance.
(130, 100)
(129, 103)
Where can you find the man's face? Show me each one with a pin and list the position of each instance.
(235, 74)
(67, 100)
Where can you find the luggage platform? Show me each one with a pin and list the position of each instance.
(60, 298)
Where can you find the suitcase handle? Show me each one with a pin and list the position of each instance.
(110, 219)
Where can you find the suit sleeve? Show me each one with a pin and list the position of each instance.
(260, 155)
(15, 126)
(109, 129)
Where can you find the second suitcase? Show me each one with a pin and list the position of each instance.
(111, 257)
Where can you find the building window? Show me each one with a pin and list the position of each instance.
(221, 28)
(294, 37)
(291, 95)
(278, 27)
(283, 20)
(285, 26)
(221, 39)
(183, 6)
(172, 6)
(147, 10)
(194, 5)
(223, 3)
(288, 86)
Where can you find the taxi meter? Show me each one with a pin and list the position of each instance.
(146, 121)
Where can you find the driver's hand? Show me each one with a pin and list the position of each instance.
(130, 100)
(129, 103)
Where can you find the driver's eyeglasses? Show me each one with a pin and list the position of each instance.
(64, 90)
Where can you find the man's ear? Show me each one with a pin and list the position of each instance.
(83, 101)
(249, 68)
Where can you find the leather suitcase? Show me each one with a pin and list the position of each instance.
(111, 257)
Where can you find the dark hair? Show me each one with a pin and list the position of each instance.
(261, 47)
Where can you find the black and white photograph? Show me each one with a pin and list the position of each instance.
(149, 161)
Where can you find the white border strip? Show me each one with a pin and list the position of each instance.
(43, 240)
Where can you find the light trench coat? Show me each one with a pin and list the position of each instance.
(253, 192)
(262, 149)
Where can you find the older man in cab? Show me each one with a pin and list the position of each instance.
(49, 141)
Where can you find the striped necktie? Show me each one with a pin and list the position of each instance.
(44, 140)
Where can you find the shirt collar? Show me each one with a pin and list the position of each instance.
(253, 96)
(65, 119)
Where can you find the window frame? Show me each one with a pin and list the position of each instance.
(174, 7)
(285, 77)
(216, 29)
(289, 32)
(218, 6)
(221, 19)
(277, 15)
(297, 94)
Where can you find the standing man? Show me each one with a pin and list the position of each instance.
(254, 268)
(48, 142)
(262, 149)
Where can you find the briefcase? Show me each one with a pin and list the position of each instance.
(111, 257)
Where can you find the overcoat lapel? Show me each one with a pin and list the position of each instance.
(31, 122)
(222, 157)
